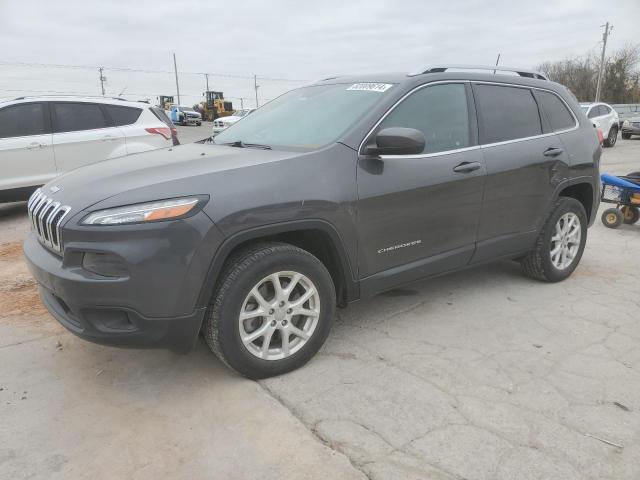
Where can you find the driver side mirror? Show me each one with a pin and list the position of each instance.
(397, 141)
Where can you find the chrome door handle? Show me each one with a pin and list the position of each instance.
(466, 167)
(34, 145)
(106, 138)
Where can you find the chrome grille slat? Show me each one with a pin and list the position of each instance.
(46, 217)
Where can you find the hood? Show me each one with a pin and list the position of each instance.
(158, 174)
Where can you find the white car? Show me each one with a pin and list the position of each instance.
(221, 123)
(605, 118)
(42, 137)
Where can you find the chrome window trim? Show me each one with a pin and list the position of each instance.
(433, 154)
(473, 147)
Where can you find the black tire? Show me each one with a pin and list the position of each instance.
(626, 136)
(241, 273)
(630, 214)
(612, 218)
(633, 175)
(537, 263)
(611, 139)
(199, 123)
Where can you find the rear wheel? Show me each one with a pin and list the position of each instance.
(611, 139)
(559, 246)
(626, 136)
(630, 214)
(612, 218)
(272, 310)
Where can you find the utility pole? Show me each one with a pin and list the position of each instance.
(241, 103)
(206, 76)
(497, 62)
(256, 86)
(605, 35)
(175, 69)
(102, 79)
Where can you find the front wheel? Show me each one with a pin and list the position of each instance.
(560, 244)
(626, 136)
(611, 139)
(272, 310)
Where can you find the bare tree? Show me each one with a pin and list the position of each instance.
(580, 75)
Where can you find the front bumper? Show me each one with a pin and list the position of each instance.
(153, 305)
(219, 129)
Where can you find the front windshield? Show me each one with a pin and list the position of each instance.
(308, 117)
(186, 109)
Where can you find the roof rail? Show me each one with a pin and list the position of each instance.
(495, 68)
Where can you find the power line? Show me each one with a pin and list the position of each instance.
(142, 70)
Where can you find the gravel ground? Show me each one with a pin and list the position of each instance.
(483, 374)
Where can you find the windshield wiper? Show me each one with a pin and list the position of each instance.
(241, 144)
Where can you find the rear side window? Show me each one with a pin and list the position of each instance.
(594, 112)
(123, 115)
(23, 120)
(557, 112)
(604, 110)
(440, 112)
(507, 113)
(73, 117)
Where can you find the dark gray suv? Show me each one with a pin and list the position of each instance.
(331, 193)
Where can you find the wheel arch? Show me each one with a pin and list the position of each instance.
(318, 237)
(583, 191)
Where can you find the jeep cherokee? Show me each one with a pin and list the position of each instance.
(331, 193)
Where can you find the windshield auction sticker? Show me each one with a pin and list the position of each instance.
(371, 87)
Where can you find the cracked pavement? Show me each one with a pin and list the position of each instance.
(483, 374)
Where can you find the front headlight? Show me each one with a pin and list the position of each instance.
(143, 212)
(625, 123)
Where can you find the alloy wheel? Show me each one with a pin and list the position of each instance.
(279, 315)
(565, 242)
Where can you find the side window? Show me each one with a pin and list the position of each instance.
(440, 112)
(123, 115)
(507, 113)
(604, 110)
(73, 117)
(23, 120)
(557, 112)
(594, 112)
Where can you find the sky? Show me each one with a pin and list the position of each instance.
(285, 43)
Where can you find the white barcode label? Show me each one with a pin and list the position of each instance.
(371, 87)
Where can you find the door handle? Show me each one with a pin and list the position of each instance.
(553, 152)
(466, 167)
(34, 145)
(106, 138)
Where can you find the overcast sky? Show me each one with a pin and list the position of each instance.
(283, 39)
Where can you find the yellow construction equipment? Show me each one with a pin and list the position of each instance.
(215, 106)
(165, 102)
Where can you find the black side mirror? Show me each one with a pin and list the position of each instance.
(397, 141)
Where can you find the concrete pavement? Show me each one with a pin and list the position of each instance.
(484, 374)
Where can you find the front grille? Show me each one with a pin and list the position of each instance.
(46, 217)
